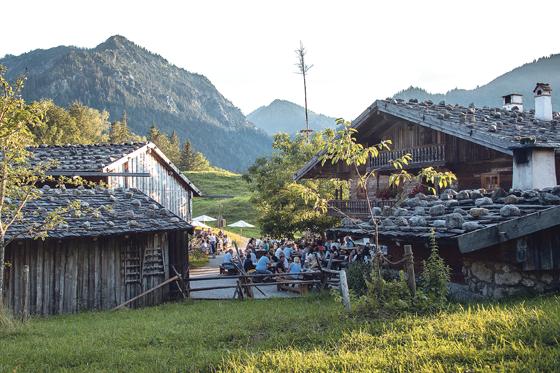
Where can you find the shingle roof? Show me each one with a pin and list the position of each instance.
(76, 157)
(460, 214)
(494, 127)
(104, 212)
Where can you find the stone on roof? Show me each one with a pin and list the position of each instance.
(104, 212)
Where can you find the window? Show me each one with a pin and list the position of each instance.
(490, 181)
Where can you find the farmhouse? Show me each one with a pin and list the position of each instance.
(498, 242)
(130, 165)
(117, 245)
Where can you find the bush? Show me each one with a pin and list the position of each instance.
(7, 322)
(435, 277)
(357, 275)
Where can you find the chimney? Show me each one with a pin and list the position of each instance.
(543, 101)
(513, 100)
(534, 166)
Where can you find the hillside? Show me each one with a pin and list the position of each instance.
(285, 116)
(520, 80)
(120, 76)
(219, 182)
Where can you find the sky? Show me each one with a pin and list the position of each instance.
(360, 50)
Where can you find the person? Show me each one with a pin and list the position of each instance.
(262, 265)
(212, 241)
(282, 265)
(227, 263)
(226, 242)
(295, 268)
(248, 263)
(279, 251)
(288, 250)
(205, 246)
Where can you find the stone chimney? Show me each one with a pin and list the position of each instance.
(534, 167)
(543, 101)
(513, 100)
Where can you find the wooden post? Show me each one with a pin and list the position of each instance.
(25, 294)
(409, 263)
(344, 290)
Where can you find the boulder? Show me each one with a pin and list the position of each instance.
(376, 211)
(510, 210)
(483, 201)
(454, 220)
(478, 212)
(417, 221)
(459, 210)
(401, 221)
(481, 272)
(507, 278)
(471, 226)
(498, 193)
(529, 194)
(512, 199)
(451, 203)
(476, 193)
(437, 210)
(464, 194)
(420, 196)
(439, 223)
(388, 223)
(399, 211)
(419, 210)
(387, 211)
(550, 199)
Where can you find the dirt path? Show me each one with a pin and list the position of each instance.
(213, 269)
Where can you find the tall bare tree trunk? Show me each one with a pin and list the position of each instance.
(2, 267)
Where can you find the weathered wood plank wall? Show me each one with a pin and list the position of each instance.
(162, 185)
(72, 275)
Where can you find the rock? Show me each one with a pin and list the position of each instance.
(401, 221)
(471, 226)
(388, 223)
(556, 190)
(437, 210)
(478, 212)
(417, 221)
(454, 220)
(376, 211)
(86, 225)
(511, 199)
(412, 202)
(419, 210)
(387, 211)
(461, 293)
(420, 196)
(550, 199)
(451, 203)
(483, 201)
(481, 272)
(510, 210)
(445, 196)
(136, 203)
(474, 194)
(507, 278)
(399, 211)
(527, 282)
(498, 193)
(529, 194)
(439, 223)
(458, 210)
(547, 278)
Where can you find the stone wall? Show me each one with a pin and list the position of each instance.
(499, 279)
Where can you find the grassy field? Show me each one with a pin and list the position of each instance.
(221, 182)
(291, 335)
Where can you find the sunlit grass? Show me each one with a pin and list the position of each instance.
(309, 334)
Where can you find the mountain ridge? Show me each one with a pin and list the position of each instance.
(120, 76)
(286, 116)
(521, 79)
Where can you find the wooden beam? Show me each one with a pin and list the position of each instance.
(174, 278)
(509, 230)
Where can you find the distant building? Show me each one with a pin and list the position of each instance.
(121, 244)
(129, 165)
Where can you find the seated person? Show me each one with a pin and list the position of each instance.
(262, 265)
(295, 268)
(228, 261)
(282, 264)
(248, 263)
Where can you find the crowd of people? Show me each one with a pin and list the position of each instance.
(267, 256)
(210, 243)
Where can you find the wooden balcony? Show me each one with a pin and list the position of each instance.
(425, 155)
(355, 208)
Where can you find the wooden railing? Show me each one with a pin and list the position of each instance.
(425, 154)
(355, 208)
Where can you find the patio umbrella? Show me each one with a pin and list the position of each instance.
(198, 224)
(204, 218)
(241, 224)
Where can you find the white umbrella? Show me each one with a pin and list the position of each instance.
(199, 224)
(204, 218)
(241, 224)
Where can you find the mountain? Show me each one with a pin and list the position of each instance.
(120, 76)
(519, 80)
(285, 116)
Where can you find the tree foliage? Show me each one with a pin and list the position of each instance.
(283, 207)
(119, 132)
(191, 160)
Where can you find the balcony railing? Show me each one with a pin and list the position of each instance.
(355, 208)
(425, 154)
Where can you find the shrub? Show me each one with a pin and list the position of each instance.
(435, 277)
(6, 320)
(357, 275)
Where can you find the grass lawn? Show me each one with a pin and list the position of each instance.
(302, 334)
(221, 182)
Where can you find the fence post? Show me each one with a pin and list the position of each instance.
(409, 263)
(344, 289)
(25, 294)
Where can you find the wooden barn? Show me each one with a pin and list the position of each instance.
(119, 244)
(130, 165)
(485, 147)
